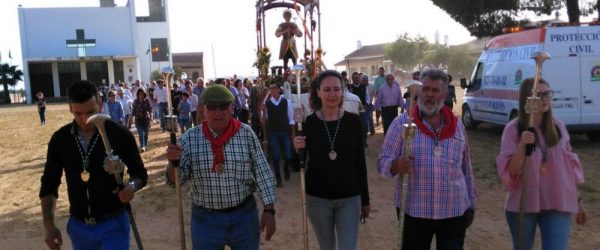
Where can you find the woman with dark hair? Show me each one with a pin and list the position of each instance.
(336, 177)
(554, 172)
(142, 114)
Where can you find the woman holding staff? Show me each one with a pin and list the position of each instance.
(336, 177)
(552, 176)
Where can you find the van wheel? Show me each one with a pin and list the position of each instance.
(594, 136)
(467, 119)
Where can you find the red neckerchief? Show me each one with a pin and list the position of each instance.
(447, 131)
(216, 144)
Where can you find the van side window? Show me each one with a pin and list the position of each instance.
(477, 78)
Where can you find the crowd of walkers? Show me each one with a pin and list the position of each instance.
(224, 123)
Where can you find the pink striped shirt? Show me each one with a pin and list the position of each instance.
(439, 187)
(557, 189)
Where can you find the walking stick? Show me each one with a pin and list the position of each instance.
(167, 72)
(532, 107)
(115, 166)
(299, 118)
(409, 134)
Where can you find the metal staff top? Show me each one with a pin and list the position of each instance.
(167, 72)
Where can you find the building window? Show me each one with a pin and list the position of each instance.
(160, 49)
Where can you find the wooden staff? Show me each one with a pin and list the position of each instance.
(99, 120)
(409, 134)
(167, 72)
(532, 107)
(299, 118)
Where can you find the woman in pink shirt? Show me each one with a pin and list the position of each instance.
(553, 174)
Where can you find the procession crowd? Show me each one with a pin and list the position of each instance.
(223, 125)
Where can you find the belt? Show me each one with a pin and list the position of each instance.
(244, 203)
(98, 219)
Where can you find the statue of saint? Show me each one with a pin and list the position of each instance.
(288, 30)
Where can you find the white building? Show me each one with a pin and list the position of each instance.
(103, 45)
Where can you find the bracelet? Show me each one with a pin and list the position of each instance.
(269, 210)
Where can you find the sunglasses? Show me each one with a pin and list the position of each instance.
(547, 94)
(221, 107)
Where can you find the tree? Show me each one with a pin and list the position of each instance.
(9, 75)
(406, 52)
(155, 75)
(487, 18)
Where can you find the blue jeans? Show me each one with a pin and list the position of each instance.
(335, 221)
(370, 122)
(238, 229)
(554, 228)
(185, 124)
(162, 112)
(277, 140)
(364, 118)
(110, 234)
(142, 129)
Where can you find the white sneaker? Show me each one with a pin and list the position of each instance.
(143, 149)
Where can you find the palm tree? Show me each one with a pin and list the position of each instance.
(9, 75)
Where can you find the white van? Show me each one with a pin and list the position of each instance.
(573, 72)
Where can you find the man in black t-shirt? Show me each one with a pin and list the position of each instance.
(97, 204)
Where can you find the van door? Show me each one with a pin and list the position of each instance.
(563, 73)
(590, 76)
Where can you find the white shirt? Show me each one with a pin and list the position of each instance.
(160, 94)
(352, 103)
(126, 102)
(193, 99)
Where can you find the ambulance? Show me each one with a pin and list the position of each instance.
(573, 72)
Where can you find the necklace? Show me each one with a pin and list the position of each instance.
(85, 174)
(437, 149)
(332, 153)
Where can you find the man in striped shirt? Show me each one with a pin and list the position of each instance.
(441, 193)
(225, 163)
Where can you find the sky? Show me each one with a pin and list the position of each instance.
(227, 28)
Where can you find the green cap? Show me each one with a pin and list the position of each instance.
(216, 94)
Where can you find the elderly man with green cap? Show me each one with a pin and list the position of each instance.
(224, 161)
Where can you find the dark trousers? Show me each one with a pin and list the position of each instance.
(418, 233)
(42, 116)
(256, 126)
(194, 121)
(388, 114)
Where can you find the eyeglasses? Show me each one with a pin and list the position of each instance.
(547, 94)
(221, 107)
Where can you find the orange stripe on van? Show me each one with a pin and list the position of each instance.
(501, 94)
(532, 36)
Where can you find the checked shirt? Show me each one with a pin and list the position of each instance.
(246, 169)
(439, 187)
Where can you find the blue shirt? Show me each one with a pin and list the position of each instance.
(115, 110)
(185, 108)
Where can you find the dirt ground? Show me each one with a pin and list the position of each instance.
(24, 144)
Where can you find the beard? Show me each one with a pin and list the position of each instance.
(437, 106)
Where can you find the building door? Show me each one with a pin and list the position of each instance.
(68, 73)
(97, 73)
(40, 77)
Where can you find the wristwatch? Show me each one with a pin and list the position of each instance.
(269, 210)
(133, 185)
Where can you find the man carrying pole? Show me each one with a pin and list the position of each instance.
(96, 204)
(225, 163)
(442, 193)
